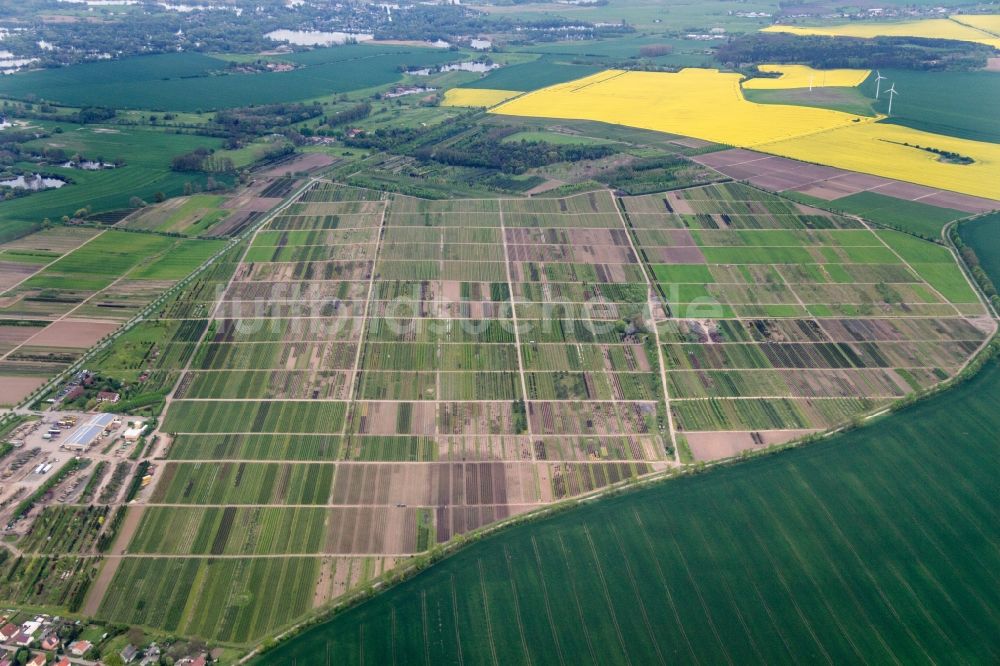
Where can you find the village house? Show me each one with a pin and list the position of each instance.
(128, 653)
(80, 648)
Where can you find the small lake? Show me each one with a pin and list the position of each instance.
(102, 3)
(179, 7)
(33, 182)
(11, 63)
(317, 37)
(480, 67)
(88, 165)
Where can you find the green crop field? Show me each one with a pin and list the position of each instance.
(180, 260)
(98, 263)
(532, 75)
(869, 547)
(958, 104)
(245, 483)
(230, 595)
(847, 100)
(230, 531)
(557, 138)
(146, 155)
(190, 216)
(238, 416)
(911, 216)
(191, 82)
(981, 234)
(684, 52)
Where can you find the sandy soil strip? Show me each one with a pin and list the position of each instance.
(14, 389)
(723, 444)
(76, 334)
(96, 593)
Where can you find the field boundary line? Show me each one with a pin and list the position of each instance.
(351, 401)
(355, 378)
(42, 268)
(525, 402)
(651, 304)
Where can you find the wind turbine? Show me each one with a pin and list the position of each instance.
(878, 82)
(892, 93)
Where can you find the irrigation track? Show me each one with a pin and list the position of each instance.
(652, 304)
(355, 379)
(513, 316)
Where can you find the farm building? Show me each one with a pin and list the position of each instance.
(83, 437)
(133, 434)
(107, 396)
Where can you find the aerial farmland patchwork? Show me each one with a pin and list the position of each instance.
(599, 332)
(371, 375)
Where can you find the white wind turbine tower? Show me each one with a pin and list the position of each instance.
(892, 93)
(878, 82)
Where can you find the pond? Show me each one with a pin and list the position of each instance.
(34, 182)
(479, 67)
(317, 37)
(88, 165)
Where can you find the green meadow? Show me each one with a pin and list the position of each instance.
(146, 154)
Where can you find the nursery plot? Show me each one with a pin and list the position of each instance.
(303, 384)
(384, 373)
(786, 319)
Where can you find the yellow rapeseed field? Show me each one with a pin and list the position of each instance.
(877, 148)
(985, 22)
(476, 97)
(933, 28)
(801, 76)
(707, 104)
(702, 103)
